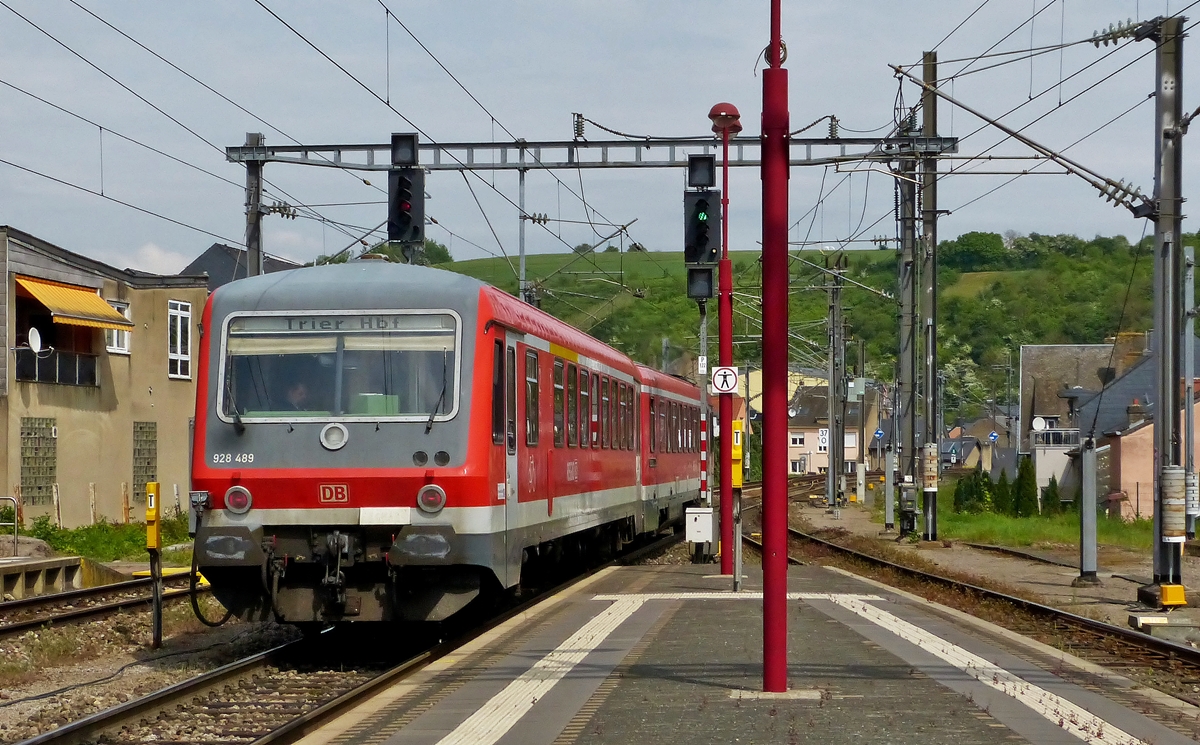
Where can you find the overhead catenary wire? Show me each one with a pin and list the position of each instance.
(121, 202)
(129, 90)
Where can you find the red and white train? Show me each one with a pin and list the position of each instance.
(378, 441)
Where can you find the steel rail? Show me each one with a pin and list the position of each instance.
(82, 593)
(1146, 642)
(77, 614)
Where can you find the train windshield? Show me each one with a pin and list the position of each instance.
(378, 366)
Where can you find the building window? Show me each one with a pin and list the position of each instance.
(797, 439)
(39, 459)
(822, 448)
(145, 457)
(179, 339)
(116, 341)
(795, 466)
(531, 398)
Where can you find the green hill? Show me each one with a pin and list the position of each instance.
(992, 296)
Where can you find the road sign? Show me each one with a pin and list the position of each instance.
(725, 379)
(879, 434)
(993, 436)
(823, 438)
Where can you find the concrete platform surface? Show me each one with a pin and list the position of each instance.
(668, 654)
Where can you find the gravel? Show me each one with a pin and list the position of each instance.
(57, 675)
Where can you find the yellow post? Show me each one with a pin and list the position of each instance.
(153, 546)
(735, 464)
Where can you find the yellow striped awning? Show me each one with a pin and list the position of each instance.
(73, 305)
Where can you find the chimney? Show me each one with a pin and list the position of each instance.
(1136, 412)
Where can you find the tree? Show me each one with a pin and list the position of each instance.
(437, 253)
(973, 252)
(1002, 501)
(1051, 501)
(584, 248)
(611, 249)
(1025, 496)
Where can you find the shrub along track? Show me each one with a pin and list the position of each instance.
(1158, 663)
(282, 694)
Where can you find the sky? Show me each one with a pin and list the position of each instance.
(647, 68)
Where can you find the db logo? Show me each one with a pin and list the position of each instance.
(333, 494)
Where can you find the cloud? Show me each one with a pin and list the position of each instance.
(153, 258)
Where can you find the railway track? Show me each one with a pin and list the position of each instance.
(1163, 664)
(19, 616)
(279, 695)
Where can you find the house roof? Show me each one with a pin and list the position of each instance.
(1048, 369)
(223, 264)
(1108, 408)
(131, 277)
(809, 407)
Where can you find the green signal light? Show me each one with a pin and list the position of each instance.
(702, 216)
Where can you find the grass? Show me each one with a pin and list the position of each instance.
(1059, 529)
(971, 284)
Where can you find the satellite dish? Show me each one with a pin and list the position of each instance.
(792, 413)
(1039, 424)
(35, 340)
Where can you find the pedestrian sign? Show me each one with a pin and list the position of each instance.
(725, 379)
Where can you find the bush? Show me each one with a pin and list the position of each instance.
(107, 541)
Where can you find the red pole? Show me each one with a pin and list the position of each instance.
(775, 361)
(725, 355)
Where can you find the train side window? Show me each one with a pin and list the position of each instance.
(673, 432)
(677, 430)
(624, 417)
(632, 417)
(594, 423)
(653, 443)
(498, 393)
(604, 420)
(629, 417)
(662, 426)
(585, 410)
(572, 406)
(531, 398)
(510, 403)
(558, 403)
(613, 411)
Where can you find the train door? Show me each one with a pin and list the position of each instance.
(511, 480)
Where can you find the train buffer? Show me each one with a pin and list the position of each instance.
(668, 654)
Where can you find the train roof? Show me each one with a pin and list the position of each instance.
(666, 382)
(357, 284)
(512, 312)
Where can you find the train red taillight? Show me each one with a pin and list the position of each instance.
(431, 498)
(238, 500)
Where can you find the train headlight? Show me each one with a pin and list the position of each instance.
(431, 498)
(238, 500)
(334, 436)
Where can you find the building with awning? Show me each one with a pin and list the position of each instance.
(96, 387)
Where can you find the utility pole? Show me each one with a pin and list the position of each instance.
(1191, 482)
(522, 284)
(837, 389)
(860, 367)
(929, 216)
(254, 252)
(1007, 398)
(909, 455)
(775, 358)
(1170, 527)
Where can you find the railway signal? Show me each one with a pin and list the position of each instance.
(701, 226)
(406, 205)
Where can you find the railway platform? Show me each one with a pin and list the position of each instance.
(655, 654)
